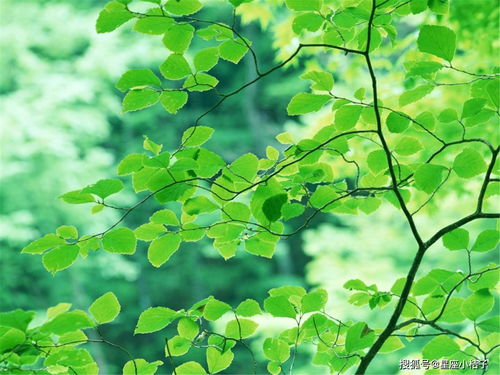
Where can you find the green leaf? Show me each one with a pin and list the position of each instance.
(141, 366)
(153, 25)
(488, 280)
(137, 78)
(279, 306)
(60, 258)
(139, 99)
(303, 103)
(377, 161)
(11, 338)
(469, 163)
(200, 82)
(175, 67)
(162, 248)
(422, 68)
(322, 81)
(206, 59)
(214, 309)
(106, 308)
(165, 217)
(314, 301)
(49, 241)
(67, 232)
(448, 115)
(196, 136)
(440, 346)
(77, 197)
(121, 241)
(240, 328)
(131, 163)
(191, 367)
(490, 325)
(155, 319)
(392, 344)
(415, 94)
(68, 322)
(104, 188)
(183, 7)
(177, 346)
(493, 90)
(457, 239)
(199, 205)
(248, 308)
(172, 101)
(232, 50)
(272, 206)
(439, 41)
(408, 146)
(301, 5)
(19, 319)
(188, 328)
(149, 231)
(276, 350)
(477, 304)
(428, 177)
(178, 37)
(218, 361)
(396, 123)
(112, 16)
(472, 107)
(359, 336)
(347, 116)
(487, 240)
(149, 145)
(291, 210)
(307, 21)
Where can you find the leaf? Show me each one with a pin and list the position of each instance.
(106, 308)
(276, 350)
(232, 50)
(439, 41)
(377, 161)
(131, 163)
(314, 301)
(137, 78)
(301, 5)
(60, 258)
(191, 367)
(200, 82)
(487, 240)
(183, 7)
(248, 308)
(11, 338)
(279, 306)
(321, 80)
(206, 59)
(469, 163)
(440, 346)
(68, 322)
(396, 123)
(175, 67)
(307, 21)
(77, 197)
(141, 366)
(112, 16)
(196, 136)
(153, 25)
(303, 103)
(359, 336)
(188, 328)
(448, 115)
(165, 217)
(49, 241)
(172, 101)
(104, 188)
(19, 319)
(457, 239)
(155, 319)
(162, 248)
(178, 37)
(477, 304)
(490, 325)
(139, 99)
(272, 206)
(415, 94)
(149, 145)
(408, 146)
(218, 361)
(392, 344)
(240, 328)
(347, 116)
(214, 309)
(472, 107)
(428, 177)
(121, 241)
(177, 346)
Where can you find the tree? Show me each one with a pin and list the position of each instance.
(388, 156)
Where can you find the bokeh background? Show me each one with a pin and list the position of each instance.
(62, 129)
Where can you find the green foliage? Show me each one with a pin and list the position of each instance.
(349, 164)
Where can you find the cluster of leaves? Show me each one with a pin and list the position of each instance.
(387, 156)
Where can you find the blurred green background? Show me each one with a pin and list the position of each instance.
(62, 129)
